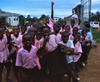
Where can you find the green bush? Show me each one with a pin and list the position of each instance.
(96, 35)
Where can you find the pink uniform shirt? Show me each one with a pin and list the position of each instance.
(27, 59)
(52, 44)
(83, 41)
(3, 49)
(62, 30)
(29, 27)
(71, 37)
(77, 48)
(37, 43)
(51, 24)
(59, 37)
(21, 33)
(71, 28)
(18, 41)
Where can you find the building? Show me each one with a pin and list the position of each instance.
(68, 20)
(86, 10)
(11, 18)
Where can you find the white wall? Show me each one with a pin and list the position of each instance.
(11, 21)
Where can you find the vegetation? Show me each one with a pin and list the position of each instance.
(96, 16)
(96, 35)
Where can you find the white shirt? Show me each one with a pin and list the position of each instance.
(89, 36)
(70, 45)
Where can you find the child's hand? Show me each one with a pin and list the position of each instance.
(68, 52)
(46, 39)
(52, 3)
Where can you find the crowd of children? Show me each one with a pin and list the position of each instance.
(40, 53)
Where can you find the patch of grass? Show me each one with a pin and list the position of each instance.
(96, 35)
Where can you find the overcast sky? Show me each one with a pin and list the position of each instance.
(62, 8)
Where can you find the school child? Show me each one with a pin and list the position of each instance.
(73, 25)
(30, 25)
(50, 22)
(3, 25)
(39, 24)
(28, 62)
(89, 36)
(23, 30)
(63, 23)
(57, 30)
(84, 41)
(69, 44)
(38, 35)
(77, 51)
(75, 31)
(35, 25)
(54, 58)
(67, 29)
(35, 42)
(3, 55)
(16, 45)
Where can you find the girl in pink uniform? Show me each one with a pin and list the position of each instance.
(28, 62)
(77, 51)
(50, 22)
(23, 30)
(17, 39)
(3, 55)
(54, 58)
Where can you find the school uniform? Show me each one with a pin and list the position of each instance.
(21, 33)
(55, 60)
(71, 28)
(70, 58)
(84, 55)
(59, 36)
(29, 27)
(78, 48)
(90, 37)
(19, 44)
(4, 52)
(71, 37)
(30, 63)
(62, 30)
(51, 22)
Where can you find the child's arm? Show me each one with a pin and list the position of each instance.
(79, 20)
(42, 49)
(52, 3)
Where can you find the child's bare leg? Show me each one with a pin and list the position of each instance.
(8, 73)
(1, 75)
(16, 76)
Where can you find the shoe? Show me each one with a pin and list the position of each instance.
(65, 75)
(83, 64)
(78, 78)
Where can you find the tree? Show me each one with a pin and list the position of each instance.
(21, 20)
(35, 19)
(42, 17)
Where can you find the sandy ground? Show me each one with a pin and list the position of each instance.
(91, 73)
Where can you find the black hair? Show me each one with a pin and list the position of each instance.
(72, 20)
(67, 26)
(31, 28)
(75, 28)
(88, 25)
(24, 26)
(16, 26)
(2, 22)
(65, 32)
(44, 27)
(25, 35)
(77, 33)
(39, 30)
